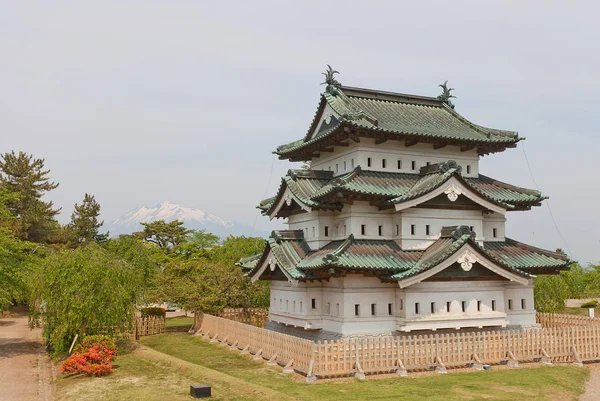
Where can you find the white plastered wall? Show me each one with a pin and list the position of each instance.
(344, 159)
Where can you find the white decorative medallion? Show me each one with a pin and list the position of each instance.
(466, 261)
(327, 118)
(288, 200)
(453, 193)
(272, 264)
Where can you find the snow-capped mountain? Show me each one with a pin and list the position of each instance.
(169, 211)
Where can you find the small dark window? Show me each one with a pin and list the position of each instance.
(390, 309)
(495, 232)
(373, 311)
(493, 304)
(413, 229)
(463, 305)
(356, 310)
(510, 304)
(468, 169)
(383, 163)
(352, 163)
(399, 164)
(313, 303)
(523, 306)
(363, 229)
(413, 165)
(417, 308)
(344, 166)
(397, 230)
(368, 162)
(428, 163)
(401, 304)
(448, 306)
(326, 231)
(472, 228)
(380, 231)
(478, 306)
(336, 168)
(433, 307)
(427, 229)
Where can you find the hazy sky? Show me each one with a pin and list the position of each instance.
(143, 101)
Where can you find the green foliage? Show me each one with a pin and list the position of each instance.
(153, 312)
(590, 304)
(81, 291)
(196, 244)
(25, 178)
(14, 257)
(84, 225)
(208, 280)
(165, 235)
(550, 293)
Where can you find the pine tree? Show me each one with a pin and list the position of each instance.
(84, 224)
(26, 180)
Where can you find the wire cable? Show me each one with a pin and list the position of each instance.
(547, 202)
(264, 194)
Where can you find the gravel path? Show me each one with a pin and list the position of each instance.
(592, 387)
(26, 371)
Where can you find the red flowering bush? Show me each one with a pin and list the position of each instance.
(92, 357)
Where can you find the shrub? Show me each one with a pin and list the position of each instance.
(92, 357)
(153, 312)
(590, 304)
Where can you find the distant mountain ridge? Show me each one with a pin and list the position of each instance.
(195, 219)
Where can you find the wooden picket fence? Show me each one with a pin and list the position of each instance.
(252, 316)
(149, 326)
(277, 348)
(359, 356)
(561, 320)
(143, 326)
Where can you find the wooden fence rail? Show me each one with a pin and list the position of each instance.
(142, 326)
(252, 316)
(548, 320)
(561, 339)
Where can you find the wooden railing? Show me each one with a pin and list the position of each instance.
(548, 320)
(149, 326)
(412, 352)
(276, 347)
(252, 316)
(143, 326)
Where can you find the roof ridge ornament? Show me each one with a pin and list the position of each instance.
(446, 95)
(332, 84)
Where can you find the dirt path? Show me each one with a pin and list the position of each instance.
(25, 370)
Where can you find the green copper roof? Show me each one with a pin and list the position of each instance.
(319, 190)
(386, 259)
(394, 116)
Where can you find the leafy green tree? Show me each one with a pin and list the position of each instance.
(165, 235)
(550, 293)
(80, 291)
(196, 244)
(25, 178)
(209, 281)
(14, 257)
(84, 224)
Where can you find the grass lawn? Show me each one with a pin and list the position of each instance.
(577, 311)
(179, 323)
(147, 374)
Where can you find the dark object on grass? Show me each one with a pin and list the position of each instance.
(200, 390)
(590, 304)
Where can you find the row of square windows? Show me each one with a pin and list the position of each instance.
(413, 230)
(390, 306)
(413, 165)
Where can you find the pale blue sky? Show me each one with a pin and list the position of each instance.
(146, 101)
